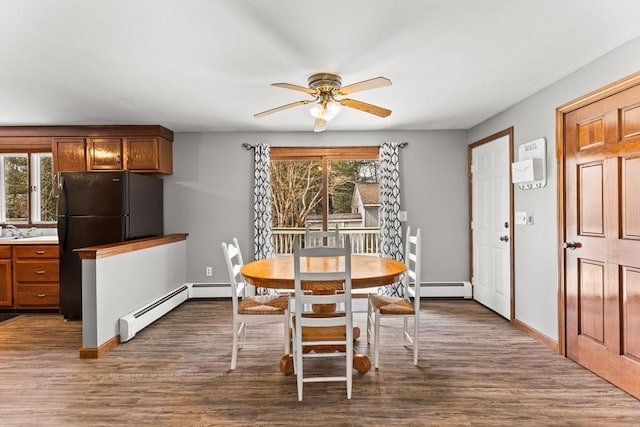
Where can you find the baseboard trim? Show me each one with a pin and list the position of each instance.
(94, 353)
(536, 335)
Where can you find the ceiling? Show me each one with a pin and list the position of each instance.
(207, 65)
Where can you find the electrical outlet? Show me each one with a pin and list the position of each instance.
(209, 271)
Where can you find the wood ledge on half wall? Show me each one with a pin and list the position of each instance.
(102, 251)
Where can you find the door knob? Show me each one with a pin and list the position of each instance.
(571, 245)
(504, 238)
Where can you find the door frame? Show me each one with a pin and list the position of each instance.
(596, 95)
(509, 133)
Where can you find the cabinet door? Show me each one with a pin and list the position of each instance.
(143, 154)
(69, 154)
(6, 291)
(105, 154)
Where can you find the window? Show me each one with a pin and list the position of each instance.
(27, 188)
(325, 187)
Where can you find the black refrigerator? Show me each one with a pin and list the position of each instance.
(96, 208)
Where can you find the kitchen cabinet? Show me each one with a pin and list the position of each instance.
(69, 154)
(135, 154)
(104, 154)
(6, 285)
(36, 275)
(149, 155)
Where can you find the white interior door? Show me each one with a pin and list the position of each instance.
(491, 226)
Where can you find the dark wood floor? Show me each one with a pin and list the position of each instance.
(474, 369)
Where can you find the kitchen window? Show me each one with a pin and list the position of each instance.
(27, 196)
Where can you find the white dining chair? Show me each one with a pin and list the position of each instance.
(339, 326)
(318, 237)
(407, 306)
(247, 308)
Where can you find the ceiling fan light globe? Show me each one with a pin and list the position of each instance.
(333, 109)
(316, 111)
(325, 111)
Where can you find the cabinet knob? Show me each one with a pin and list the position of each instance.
(41, 295)
(40, 252)
(40, 271)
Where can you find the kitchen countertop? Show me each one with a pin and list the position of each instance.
(39, 240)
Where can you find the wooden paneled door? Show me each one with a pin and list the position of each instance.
(601, 248)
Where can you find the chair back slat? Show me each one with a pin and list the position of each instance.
(315, 238)
(233, 261)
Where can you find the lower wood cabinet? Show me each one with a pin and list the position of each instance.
(6, 282)
(36, 276)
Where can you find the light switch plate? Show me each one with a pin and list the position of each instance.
(402, 216)
(521, 218)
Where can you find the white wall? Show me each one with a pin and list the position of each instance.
(210, 194)
(536, 263)
(114, 286)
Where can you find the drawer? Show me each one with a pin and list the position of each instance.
(5, 251)
(36, 251)
(38, 295)
(37, 271)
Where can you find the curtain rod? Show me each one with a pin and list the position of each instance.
(248, 146)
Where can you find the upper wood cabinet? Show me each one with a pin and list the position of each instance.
(149, 155)
(144, 149)
(105, 154)
(69, 154)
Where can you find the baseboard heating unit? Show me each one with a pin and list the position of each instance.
(209, 290)
(134, 322)
(446, 290)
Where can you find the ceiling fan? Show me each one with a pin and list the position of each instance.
(328, 97)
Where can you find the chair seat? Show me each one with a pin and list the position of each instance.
(324, 333)
(264, 304)
(391, 305)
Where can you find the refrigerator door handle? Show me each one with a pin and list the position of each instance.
(63, 218)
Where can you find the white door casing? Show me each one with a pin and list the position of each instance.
(491, 224)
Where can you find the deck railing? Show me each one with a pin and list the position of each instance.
(364, 240)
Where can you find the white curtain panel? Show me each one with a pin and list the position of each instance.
(390, 226)
(262, 224)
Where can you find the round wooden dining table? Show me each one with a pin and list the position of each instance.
(366, 271)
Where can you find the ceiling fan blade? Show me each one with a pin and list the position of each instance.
(283, 107)
(365, 85)
(320, 125)
(368, 108)
(295, 87)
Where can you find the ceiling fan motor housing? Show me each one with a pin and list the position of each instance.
(325, 82)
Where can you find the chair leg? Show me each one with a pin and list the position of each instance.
(405, 332)
(243, 334)
(376, 338)
(287, 333)
(234, 351)
(298, 362)
(416, 329)
(369, 320)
